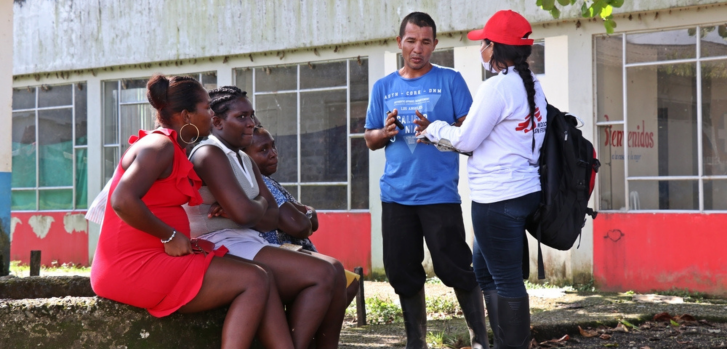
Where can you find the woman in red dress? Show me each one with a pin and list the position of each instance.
(144, 256)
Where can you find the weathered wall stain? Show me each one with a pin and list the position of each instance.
(41, 225)
(13, 222)
(75, 222)
(61, 236)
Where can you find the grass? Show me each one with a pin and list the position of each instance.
(385, 311)
(587, 287)
(378, 311)
(19, 269)
(448, 337)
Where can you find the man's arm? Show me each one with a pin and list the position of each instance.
(379, 138)
(459, 121)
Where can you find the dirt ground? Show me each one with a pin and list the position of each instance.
(671, 332)
(651, 335)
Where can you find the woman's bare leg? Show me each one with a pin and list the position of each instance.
(306, 284)
(273, 331)
(329, 332)
(244, 287)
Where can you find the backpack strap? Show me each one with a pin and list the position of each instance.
(541, 266)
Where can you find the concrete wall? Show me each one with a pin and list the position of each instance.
(69, 35)
(6, 100)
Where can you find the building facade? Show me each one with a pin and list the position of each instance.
(652, 98)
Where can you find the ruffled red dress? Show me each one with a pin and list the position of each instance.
(130, 266)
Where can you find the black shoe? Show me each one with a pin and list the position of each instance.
(474, 313)
(513, 315)
(415, 320)
(491, 304)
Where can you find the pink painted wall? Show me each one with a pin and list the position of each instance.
(661, 251)
(345, 236)
(60, 236)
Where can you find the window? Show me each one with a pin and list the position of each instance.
(661, 116)
(316, 112)
(126, 111)
(49, 148)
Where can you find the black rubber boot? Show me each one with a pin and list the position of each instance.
(474, 313)
(491, 304)
(415, 320)
(513, 315)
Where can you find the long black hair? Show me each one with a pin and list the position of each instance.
(519, 56)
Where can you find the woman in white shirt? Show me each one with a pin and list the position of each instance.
(504, 129)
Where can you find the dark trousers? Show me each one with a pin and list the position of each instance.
(405, 227)
(499, 238)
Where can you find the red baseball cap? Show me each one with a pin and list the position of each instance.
(504, 27)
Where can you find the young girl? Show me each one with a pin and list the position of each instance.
(505, 129)
(297, 221)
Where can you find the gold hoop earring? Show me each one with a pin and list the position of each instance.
(195, 138)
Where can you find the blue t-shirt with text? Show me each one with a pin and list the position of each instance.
(416, 173)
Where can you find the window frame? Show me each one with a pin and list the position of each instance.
(349, 136)
(37, 188)
(697, 60)
(119, 104)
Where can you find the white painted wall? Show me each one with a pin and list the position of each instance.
(66, 35)
(6, 83)
(6, 86)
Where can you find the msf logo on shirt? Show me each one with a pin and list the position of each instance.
(527, 126)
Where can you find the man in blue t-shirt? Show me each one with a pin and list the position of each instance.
(419, 186)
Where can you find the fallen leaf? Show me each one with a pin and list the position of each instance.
(620, 328)
(684, 342)
(662, 317)
(534, 344)
(564, 338)
(587, 333)
(611, 345)
(673, 323)
(645, 348)
(685, 317)
(605, 336)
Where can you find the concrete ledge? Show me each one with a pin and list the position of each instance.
(45, 287)
(92, 322)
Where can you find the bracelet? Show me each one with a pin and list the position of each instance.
(174, 232)
(309, 213)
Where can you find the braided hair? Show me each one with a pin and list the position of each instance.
(519, 56)
(220, 99)
(173, 94)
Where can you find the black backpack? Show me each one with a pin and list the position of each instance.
(568, 167)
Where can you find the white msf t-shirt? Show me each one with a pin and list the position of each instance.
(499, 133)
